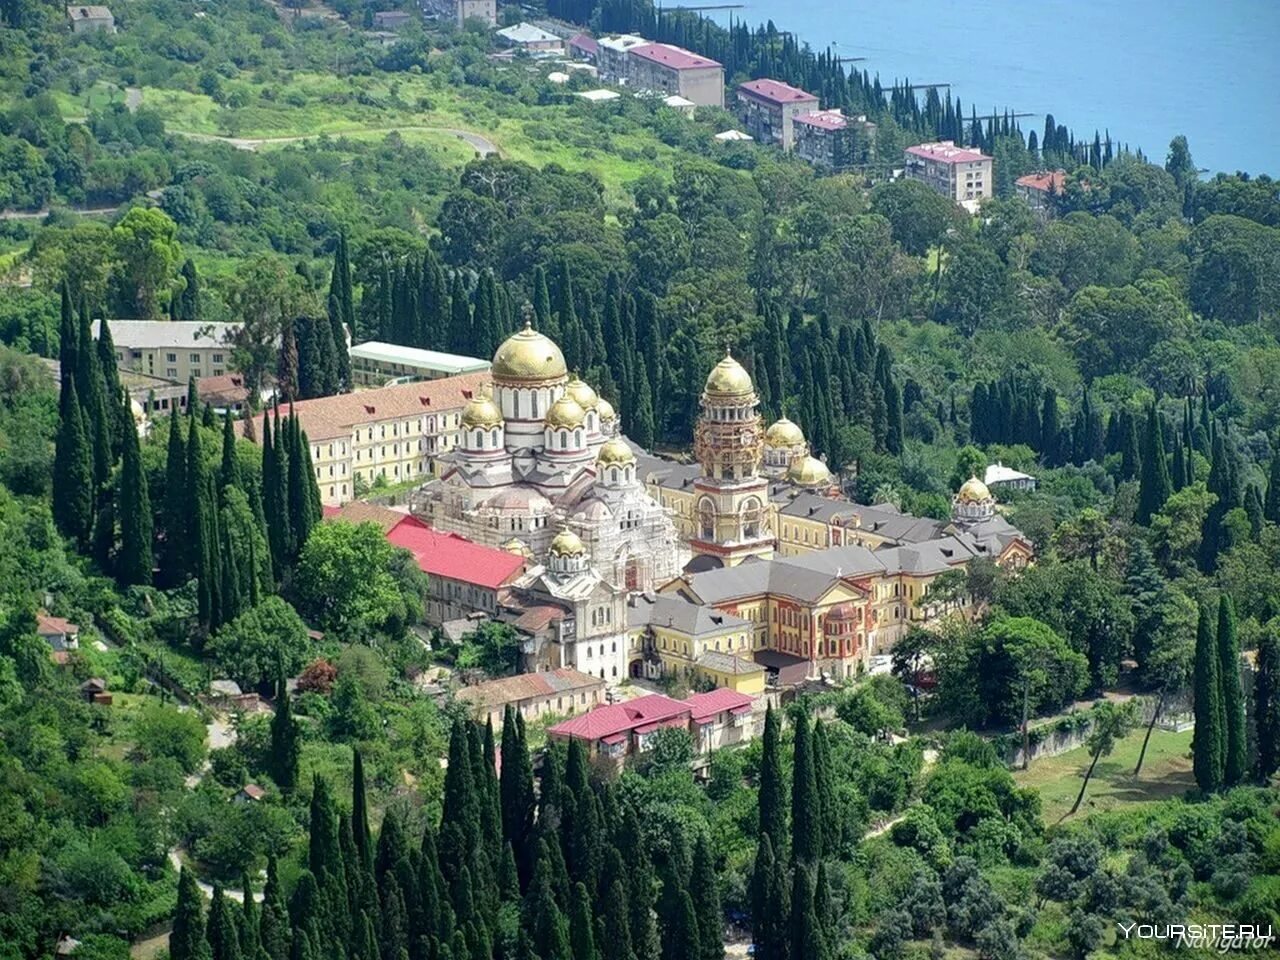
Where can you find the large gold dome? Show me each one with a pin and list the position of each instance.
(606, 411)
(973, 491)
(481, 411)
(808, 472)
(566, 413)
(784, 433)
(567, 544)
(729, 378)
(580, 391)
(528, 355)
(615, 451)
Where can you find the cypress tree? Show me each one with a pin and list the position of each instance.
(460, 825)
(773, 788)
(324, 853)
(616, 929)
(1050, 429)
(229, 471)
(177, 547)
(1209, 741)
(1271, 509)
(1255, 510)
(187, 940)
(286, 745)
(224, 942)
(360, 811)
(548, 929)
(203, 530)
(135, 562)
(1236, 757)
(582, 939)
(806, 824)
(1155, 486)
(119, 414)
(705, 890)
(343, 316)
(516, 782)
(327, 353)
(189, 298)
(459, 317)
(806, 932)
(762, 877)
(394, 928)
(824, 776)
(1178, 475)
(679, 922)
(1267, 702)
(1130, 455)
(287, 364)
(300, 517)
(89, 388)
(893, 424)
(249, 921)
(73, 469)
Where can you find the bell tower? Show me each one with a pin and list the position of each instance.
(731, 498)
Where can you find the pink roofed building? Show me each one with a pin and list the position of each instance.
(671, 70)
(1039, 189)
(833, 141)
(768, 107)
(961, 174)
(719, 718)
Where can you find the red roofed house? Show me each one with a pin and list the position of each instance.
(767, 107)
(674, 70)
(464, 576)
(60, 634)
(563, 691)
(1037, 188)
(583, 47)
(960, 174)
(833, 141)
(618, 730)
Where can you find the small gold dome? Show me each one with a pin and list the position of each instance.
(582, 393)
(517, 546)
(606, 411)
(567, 544)
(808, 472)
(729, 378)
(973, 491)
(615, 450)
(481, 411)
(566, 413)
(528, 355)
(783, 433)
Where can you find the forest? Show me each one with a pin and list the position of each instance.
(1123, 349)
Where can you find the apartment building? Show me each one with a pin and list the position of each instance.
(534, 695)
(832, 141)
(611, 56)
(1040, 189)
(377, 364)
(172, 349)
(389, 435)
(768, 107)
(674, 70)
(958, 173)
(486, 11)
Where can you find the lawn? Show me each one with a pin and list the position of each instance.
(1165, 773)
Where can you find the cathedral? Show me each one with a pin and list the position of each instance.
(539, 454)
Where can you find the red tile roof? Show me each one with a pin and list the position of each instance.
(357, 511)
(449, 555)
(620, 718)
(677, 58)
(775, 91)
(1055, 181)
(946, 151)
(528, 686)
(226, 386)
(707, 705)
(51, 626)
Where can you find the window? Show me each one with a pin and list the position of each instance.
(171, 357)
(195, 358)
(217, 358)
(171, 373)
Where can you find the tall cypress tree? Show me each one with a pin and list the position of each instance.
(516, 783)
(806, 932)
(273, 927)
(1236, 761)
(1271, 509)
(704, 888)
(360, 811)
(177, 547)
(73, 469)
(229, 471)
(773, 805)
(220, 931)
(286, 742)
(1130, 454)
(1209, 742)
(135, 562)
(187, 940)
(581, 923)
(1155, 486)
(202, 529)
(189, 298)
(119, 414)
(287, 364)
(806, 824)
(342, 310)
(542, 918)
(1266, 693)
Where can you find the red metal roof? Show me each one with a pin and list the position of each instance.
(823, 119)
(449, 555)
(946, 151)
(677, 58)
(705, 705)
(47, 625)
(583, 42)
(1055, 181)
(618, 718)
(775, 91)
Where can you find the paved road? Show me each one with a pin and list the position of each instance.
(483, 145)
(41, 214)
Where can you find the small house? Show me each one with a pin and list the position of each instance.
(94, 690)
(392, 19)
(1000, 477)
(531, 39)
(60, 634)
(249, 793)
(89, 19)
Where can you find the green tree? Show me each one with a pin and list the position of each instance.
(806, 825)
(73, 470)
(135, 563)
(773, 805)
(1110, 725)
(1209, 742)
(920, 217)
(343, 581)
(146, 244)
(187, 940)
(263, 640)
(1236, 755)
(1267, 701)
(286, 742)
(581, 936)
(704, 888)
(1155, 486)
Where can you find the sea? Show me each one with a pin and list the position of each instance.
(1143, 70)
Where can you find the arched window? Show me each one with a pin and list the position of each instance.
(613, 474)
(577, 437)
(751, 518)
(707, 520)
(476, 439)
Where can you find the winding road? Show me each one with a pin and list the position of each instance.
(483, 145)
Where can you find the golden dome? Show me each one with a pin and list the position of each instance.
(808, 472)
(517, 546)
(528, 355)
(973, 491)
(729, 378)
(567, 544)
(582, 393)
(605, 409)
(566, 413)
(615, 450)
(481, 411)
(783, 433)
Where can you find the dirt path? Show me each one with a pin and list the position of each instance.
(41, 214)
(483, 145)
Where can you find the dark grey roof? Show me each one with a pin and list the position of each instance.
(727, 663)
(666, 473)
(672, 611)
(762, 576)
